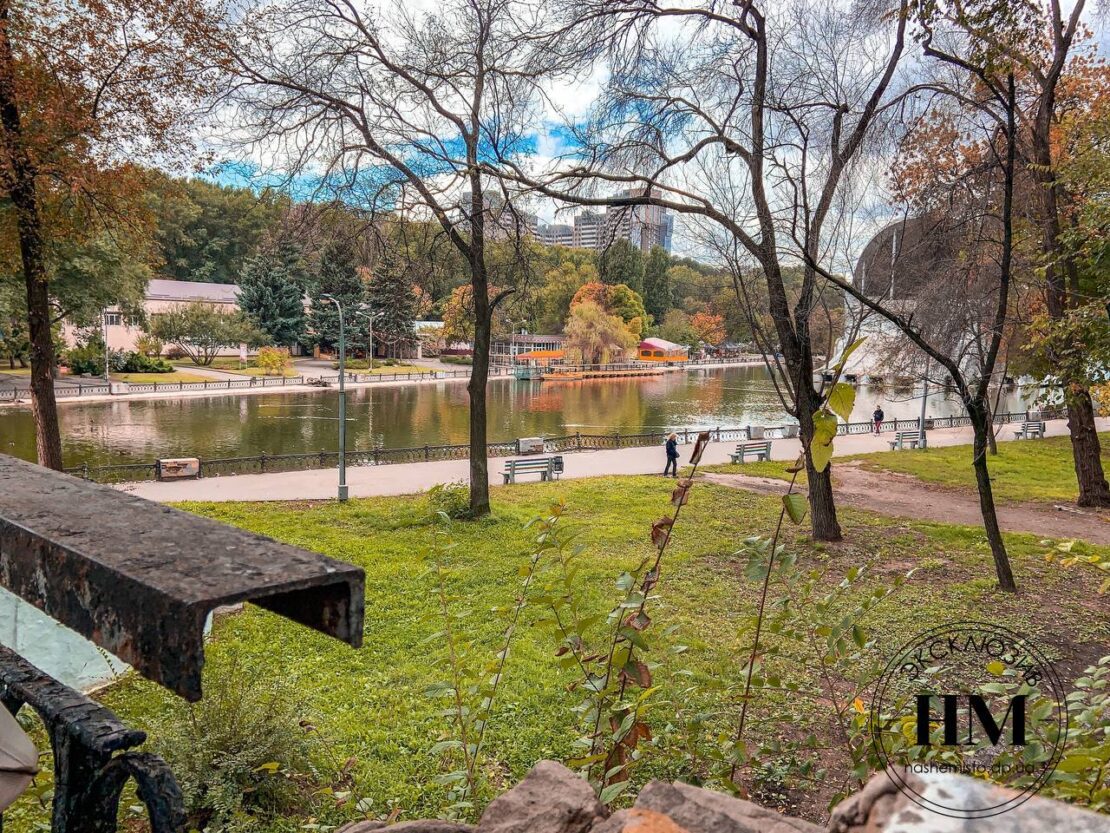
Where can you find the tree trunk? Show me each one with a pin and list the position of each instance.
(21, 186)
(476, 387)
(1085, 447)
(479, 373)
(981, 425)
(992, 434)
(1086, 450)
(822, 507)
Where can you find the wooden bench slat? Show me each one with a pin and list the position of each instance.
(761, 450)
(546, 467)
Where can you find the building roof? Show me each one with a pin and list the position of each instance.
(159, 289)
(660, 344)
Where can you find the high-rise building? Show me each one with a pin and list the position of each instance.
(589, 230)
(643, 226)
(556, 234)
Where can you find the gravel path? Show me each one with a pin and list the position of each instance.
(904, 496)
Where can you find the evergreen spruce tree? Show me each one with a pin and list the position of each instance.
(338, 276)
(271, 292)
(394, 304)
(622, 263)
(657, 285)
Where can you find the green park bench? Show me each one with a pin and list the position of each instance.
(761, 451)
(1030, 429)
(548, 468)
(904, 438)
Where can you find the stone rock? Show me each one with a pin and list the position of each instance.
(703, 811)
(880, 807)
(420, 826)
(638, 821)
(550, 799)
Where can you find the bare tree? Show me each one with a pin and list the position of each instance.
(960, 302)
(405, 114)
(751, 115)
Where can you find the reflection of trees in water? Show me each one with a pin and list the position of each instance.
(433, 414)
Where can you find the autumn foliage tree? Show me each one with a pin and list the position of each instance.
(87, 88)
(594, 336)
(709, 327)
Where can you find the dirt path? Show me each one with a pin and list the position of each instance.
(904, 496)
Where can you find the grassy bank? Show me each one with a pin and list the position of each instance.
(374, 727)
(1023, 470)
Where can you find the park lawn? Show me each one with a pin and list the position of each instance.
(370, 705)
(232, 365)
(1023, 470)
(359, 366)
(16, 371)
(165, 378)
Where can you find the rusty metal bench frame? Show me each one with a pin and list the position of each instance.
(139, 580)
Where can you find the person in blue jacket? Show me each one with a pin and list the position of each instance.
(672, 455)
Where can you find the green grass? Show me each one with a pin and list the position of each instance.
(380, 368)
(369, 704)
(15, 371)
(1023, 470)
(233, 365)
(147, 378)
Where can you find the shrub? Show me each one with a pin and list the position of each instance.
(239, 752)
(148, 345)
(452, 499)
(273, 360)
(86, 358)
(456, 359)
(134, 362)
(176, 354)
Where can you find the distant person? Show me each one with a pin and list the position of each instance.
(672, 455)
(878, 418)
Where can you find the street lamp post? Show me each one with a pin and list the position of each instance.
(342, 401)
(369, 316)
(924, 440)
(107, 379)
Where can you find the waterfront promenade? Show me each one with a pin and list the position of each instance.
(410, 478)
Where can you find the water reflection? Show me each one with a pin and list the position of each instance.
(432, 414)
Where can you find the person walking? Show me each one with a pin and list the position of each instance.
(878, 418)
(672, 455)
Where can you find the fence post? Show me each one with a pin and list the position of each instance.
(578, 438)
(426, 454)
(322, 463)
(262, 459)
(85, 470)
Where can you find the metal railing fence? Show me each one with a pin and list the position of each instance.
(616, 439)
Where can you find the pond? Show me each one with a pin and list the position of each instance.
(140, 430)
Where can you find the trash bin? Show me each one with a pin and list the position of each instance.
(557, 463)
(178, 468)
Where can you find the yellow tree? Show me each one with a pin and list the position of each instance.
(87, 88)
(593, 336)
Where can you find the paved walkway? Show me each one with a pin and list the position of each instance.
(409, 478)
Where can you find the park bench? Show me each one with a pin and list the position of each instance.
(1030, 428)
(548, 468)
(762, 451)
(904, 438)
